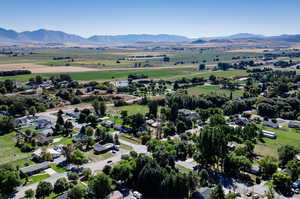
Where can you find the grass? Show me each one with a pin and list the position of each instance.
(126, 147)
(9, 153)
(38, 178)
(65, 141)
(116, 120)
(93, 157)
(113, 74)
(182, 168)
(285, 136)
(214, 89)
(134, 109)
(58, 169)
(130, 138)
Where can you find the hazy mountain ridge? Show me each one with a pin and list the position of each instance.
(51, 36)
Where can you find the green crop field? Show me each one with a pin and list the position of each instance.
(151, 73)
(214, 89)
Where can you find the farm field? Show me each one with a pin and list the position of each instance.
(214, 89)
(35, 68)
(11, 154)
(162, 73)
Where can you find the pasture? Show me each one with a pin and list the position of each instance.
(209, 89)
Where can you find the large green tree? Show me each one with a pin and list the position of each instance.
(100, 185)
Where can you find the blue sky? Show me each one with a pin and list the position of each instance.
(193, 18)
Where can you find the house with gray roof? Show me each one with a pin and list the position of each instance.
(33, 169)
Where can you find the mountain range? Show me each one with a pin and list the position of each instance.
(51, 36)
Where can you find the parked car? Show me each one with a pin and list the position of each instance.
(109, 162)
(296, 184)
(137, 195)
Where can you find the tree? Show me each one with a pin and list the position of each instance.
(43, 189)
(86, 173)
(96, 106)
(201, 67)
(100, 185)
(281, 182)
(211, 136)
(102, 108)
(78, 158)
(29, 193)
(234, 163)
(153, 108)
(122, 171)
(217, 119)
(286, 153)
(9, 180)
(217, 193)
(77, 192)
(7, 125)
(60, 120)
(204, 178)
(116, 139)
(32, 110)
(268, 165)
(294, 167)
(61, 185)
(124, 114)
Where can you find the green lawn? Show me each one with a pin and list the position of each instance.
(129, 138)
(214, 89)
(38, 178)
(93, 157)
(134, 109)
(126, 147)
(285, 136)
(9, 153)
(116, 120)
(58, 169)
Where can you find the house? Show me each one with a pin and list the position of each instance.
(115, 195)
(269, 134)
(42, 124)
(157, 124)
(79, 137)
(188, 113)
(54, 153)
(4, 113)
(107, 123)
(254, 170)
(47, 132)
(270, 124)
(202, 193)
(74, 115)
(242, 121)
(33, 169)
(65, 195)
(43, 140)
(294, 124)
(99, 148)
(21, 121)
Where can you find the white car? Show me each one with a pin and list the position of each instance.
(137, 195)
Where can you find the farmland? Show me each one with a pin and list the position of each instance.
(214, 89)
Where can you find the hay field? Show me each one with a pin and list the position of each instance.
(36, 68)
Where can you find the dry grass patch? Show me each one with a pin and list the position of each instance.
(36, 68)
